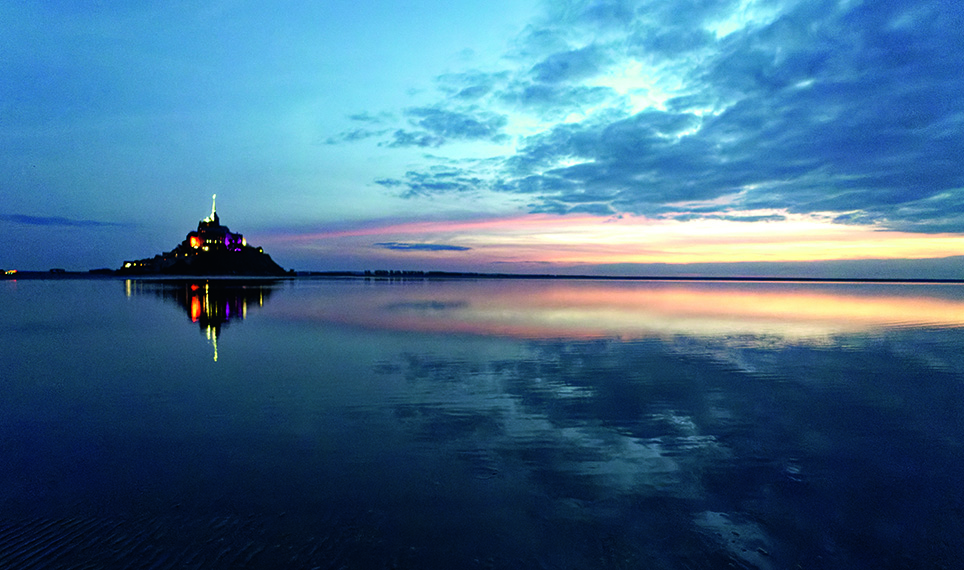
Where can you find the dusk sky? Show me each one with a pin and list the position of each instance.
(680, 137)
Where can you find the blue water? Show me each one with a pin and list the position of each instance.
(480, 424)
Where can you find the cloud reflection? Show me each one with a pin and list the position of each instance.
(590, 309)
(729, 439)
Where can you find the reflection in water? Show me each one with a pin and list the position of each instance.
(592, 309)
(485, 424)
(749, 426)
(210, 303)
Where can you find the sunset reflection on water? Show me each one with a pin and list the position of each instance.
(429, 423)
(639, 309)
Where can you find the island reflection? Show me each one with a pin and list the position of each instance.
(211, 303)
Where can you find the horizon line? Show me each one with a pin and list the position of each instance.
(418, 274)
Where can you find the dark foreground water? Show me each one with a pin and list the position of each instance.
(480, 424)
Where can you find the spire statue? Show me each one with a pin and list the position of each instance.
(213, 218)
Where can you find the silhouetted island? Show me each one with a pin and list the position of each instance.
(211, 250)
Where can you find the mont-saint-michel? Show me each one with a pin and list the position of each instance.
(210, 250)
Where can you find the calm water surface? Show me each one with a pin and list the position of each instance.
(480, 424)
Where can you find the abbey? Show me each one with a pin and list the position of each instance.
(212, 249)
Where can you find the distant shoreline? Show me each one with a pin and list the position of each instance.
(443, 275)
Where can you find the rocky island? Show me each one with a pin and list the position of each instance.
(210, 250)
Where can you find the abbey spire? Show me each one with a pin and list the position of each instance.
(213, 218)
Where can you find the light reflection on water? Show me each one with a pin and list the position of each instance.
(584, 309)
(505, 424)
(211, 304)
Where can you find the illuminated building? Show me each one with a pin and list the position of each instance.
(212, 236)
(212, 249)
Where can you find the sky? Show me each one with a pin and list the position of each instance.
(810, 138)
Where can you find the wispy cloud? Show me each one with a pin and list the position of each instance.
(54, 221)
(438, 180)
(403, 246)
(435, 126)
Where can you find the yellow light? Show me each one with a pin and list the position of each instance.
(630, 239)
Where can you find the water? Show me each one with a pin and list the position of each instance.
(480, 424)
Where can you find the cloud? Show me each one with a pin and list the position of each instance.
(377, 125)
(354, 135)
(366, 117)
(638, 106)
(570, 65)
(404, 246)
(562, 208)
(438, 126)
(554, 101)
(54, 221)
(403, 138)
(757, 218)
(470, 85)
(439, 180)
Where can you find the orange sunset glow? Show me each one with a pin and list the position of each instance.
(629, 239)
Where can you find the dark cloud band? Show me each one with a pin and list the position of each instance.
(53, 221)
(403, 246)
